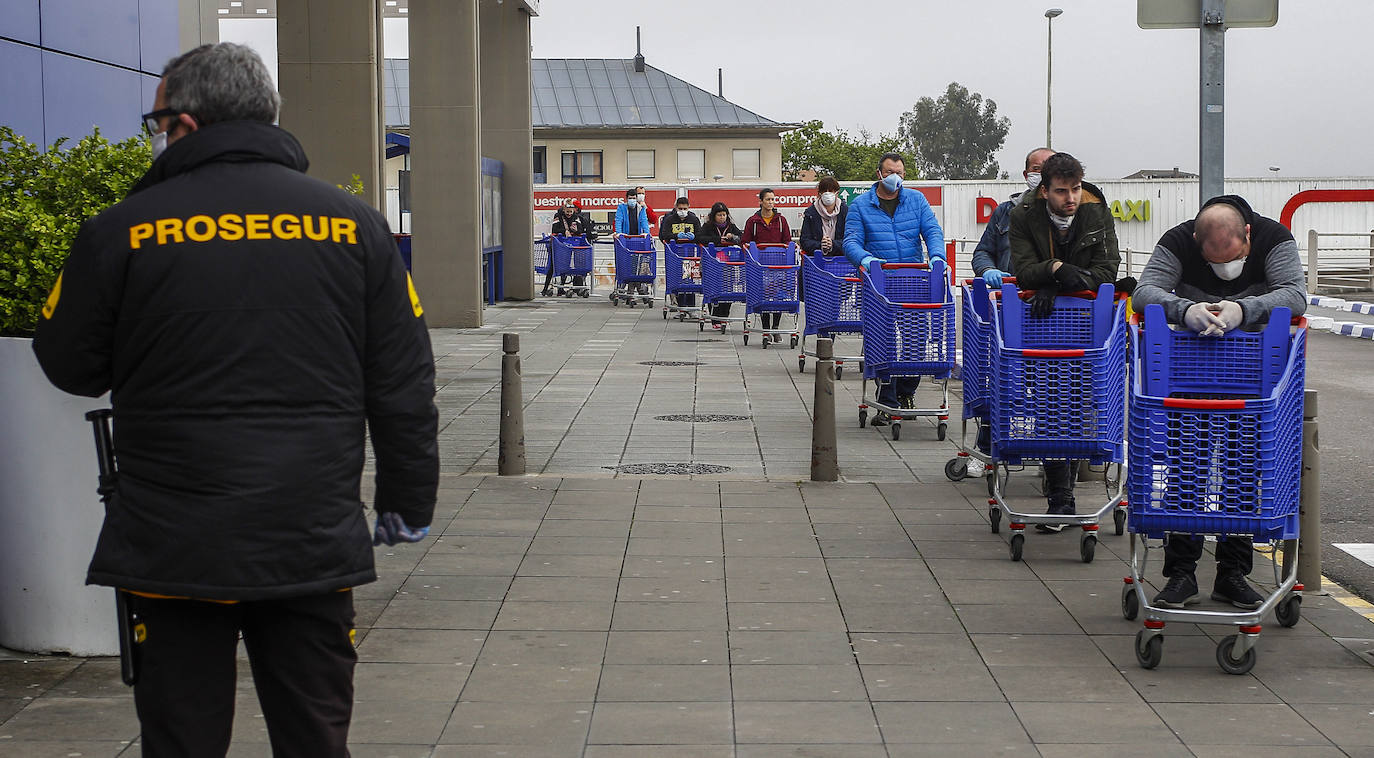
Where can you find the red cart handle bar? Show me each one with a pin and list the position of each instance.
(1206, 405)
(1052, 353)
(906, 265)
(921, 305)
(1005, 280)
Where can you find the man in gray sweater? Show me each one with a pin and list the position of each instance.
(1227, 269)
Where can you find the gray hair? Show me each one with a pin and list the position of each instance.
(221, 82)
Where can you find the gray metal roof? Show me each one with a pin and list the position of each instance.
(599, 93)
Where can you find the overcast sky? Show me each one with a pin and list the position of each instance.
(1298, 95)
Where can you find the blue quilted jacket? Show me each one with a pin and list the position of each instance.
(871, 233)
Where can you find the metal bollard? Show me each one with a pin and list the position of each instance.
(825, 464)
(511, 459)
(1310, 500)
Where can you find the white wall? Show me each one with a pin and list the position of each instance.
(257, 33)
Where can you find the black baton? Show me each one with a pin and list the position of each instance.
(128, 620)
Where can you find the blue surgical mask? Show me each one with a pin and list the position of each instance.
(892, 182)
(633, 202)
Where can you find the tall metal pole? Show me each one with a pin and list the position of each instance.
(1050, 15)
(1212, 93)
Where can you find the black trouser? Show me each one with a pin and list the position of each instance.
(896, 388)
(685, 299)
(769, 319)
(302, 661)
(721, 310)
(562, 280)
(1059, 479)
(1181, 553)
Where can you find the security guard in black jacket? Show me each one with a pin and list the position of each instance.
(250, 322)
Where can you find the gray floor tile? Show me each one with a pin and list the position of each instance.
(570, 565)
(554, 725)
(411, 681)
(687, 567)
(790, 647)
(588, 615)
(562, 648)
(1130, 723)
(62, 748)
(671, 589)
(531, 683)
(805, 722)
(1022, 618)
(409, 612)
(664, 683)
(649, 616)
(703, 647)
(797, 682)
(1011, 750)
(785, 617)
(420, 646)
(1348, 725)
(83, 719)
(921, 617)
(31, 677)
(1248, 724)
(950, 723)
(914, 649)
(562, 588)
(658, 751)
(811, 751)
(1059, 650)
(691, 723)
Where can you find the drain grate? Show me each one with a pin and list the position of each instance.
(674, 469)
(702, 418)
(708, 339)
(671, 363)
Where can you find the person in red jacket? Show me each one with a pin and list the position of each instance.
(767, 227)
(643, 202)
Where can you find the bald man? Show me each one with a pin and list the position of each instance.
(1227, 269)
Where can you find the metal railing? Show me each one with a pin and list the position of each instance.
(1345, 263)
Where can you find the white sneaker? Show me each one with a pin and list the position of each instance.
(976, 468)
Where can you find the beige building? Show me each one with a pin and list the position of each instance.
(622, 121)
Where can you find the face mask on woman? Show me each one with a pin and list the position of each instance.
(827, 199)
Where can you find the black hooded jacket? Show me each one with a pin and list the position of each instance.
(1265, 235)
(249, 321)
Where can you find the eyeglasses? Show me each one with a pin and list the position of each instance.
(150, 120)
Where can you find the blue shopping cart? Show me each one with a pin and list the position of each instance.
(770, 275)
(908, 326)
(834, 291)
(975, 376)
(1057, 391)
(636, 269)
(722, 282)
(681, 276)
(572, 256)
(543, 252)
(1215, 434)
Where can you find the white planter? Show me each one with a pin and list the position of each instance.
(50, 515)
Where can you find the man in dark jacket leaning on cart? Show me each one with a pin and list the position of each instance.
(252, 324)
(1227, 269)
(1063, 239)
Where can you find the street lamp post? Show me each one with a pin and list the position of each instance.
(1049, 66)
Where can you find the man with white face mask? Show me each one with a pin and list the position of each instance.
(1227, 269)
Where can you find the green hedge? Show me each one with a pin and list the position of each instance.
(44, 197)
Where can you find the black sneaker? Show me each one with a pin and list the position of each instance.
(1065, 509)
(1233, 589)
(1179, 591)
(879, 419)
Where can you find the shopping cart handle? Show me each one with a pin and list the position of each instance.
(1203, 404)
(771, 266)
(578, 247)
(1053, 353)
(770, 244)
(732, 263)
(851, 279)
(1005, 280)
(906, 265)
(921, 305)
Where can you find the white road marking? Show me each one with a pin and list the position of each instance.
(1363, 551)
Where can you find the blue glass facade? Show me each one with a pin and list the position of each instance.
(72, 65)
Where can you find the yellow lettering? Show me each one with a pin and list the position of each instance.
(316, 234)
(169, 228)
(56, 293)
(257, 226)
(286, 227)
(344, 227)
(1116, 211)
(1147, 211)
(138, 233)
(231, 227)
(206, 223)
(414, 297)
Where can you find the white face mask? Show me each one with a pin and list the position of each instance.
(1229, 270)
(682, 213)
(159, 144)
(1032, 180)
(828, 198)
(641, 198)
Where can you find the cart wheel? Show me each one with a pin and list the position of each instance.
(941, 431)
(839, 371)
(794, 342)
(1288, 611)
(1087, 547)
(1119, 519)
(863, 418)
(766, 341)
(746, 338)
(630, 302)
(801, 365)
(896, 430)
(995, 518)
(701, 326)
(861, 365)
(1130, 604)
(585, 294)
(956, 469)
(1148, 652)
(1018, 542)
(1232, 665)
(665, 314)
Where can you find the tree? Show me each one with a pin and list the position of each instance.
(954, 137)
(833, 153)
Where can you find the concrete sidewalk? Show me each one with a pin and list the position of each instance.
(747, 614)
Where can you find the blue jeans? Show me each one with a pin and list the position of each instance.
(896, 388)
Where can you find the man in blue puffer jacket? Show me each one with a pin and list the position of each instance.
(887, 225)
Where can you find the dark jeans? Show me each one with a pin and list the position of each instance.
(685, 299)
(897, 388)
(769, 319)
(1059, 479)
(562, 280)
(1235, 555)
(984, 442)
(721, 309)
(302, 661)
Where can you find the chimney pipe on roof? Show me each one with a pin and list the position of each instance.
(720, 83)
(639, 56)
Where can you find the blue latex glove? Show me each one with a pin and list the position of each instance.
(993, 277)
(391, 529)
(686, 236)
(867, 263)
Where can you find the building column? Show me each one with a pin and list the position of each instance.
(506, 135)
(197, 23)
(446, 161)
(327, 71)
